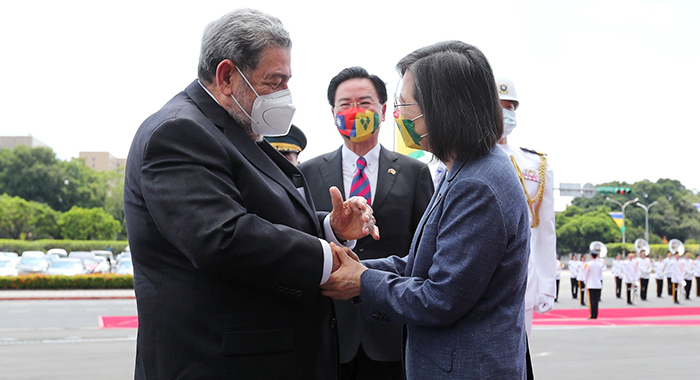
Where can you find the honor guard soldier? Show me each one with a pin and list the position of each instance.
(659, 270)
(290, 145)
(696, 272)
(688, 273)
(573, 269)
(669, 261)
(677, 274)
(617, 273)
(581, 279)
(630, 269)
(645, 267)
(560, 267)
(593, 276)
(536, 179)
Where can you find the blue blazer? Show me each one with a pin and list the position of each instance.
(461, 289)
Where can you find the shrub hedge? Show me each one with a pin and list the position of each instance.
(89, 281)
(19, 246)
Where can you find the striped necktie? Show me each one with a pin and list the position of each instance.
(360, 182)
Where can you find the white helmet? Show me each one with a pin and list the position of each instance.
(506, 90)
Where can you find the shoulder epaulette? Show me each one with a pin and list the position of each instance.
(533, 151)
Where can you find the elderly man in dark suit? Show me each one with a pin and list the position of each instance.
(398, 188)
(228, 250)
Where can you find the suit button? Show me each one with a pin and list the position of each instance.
(333, 323)
(297, 293)
(280, 289)
(361, 249)
(375, 316)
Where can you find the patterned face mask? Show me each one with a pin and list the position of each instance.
(357, 124)
(408, 131)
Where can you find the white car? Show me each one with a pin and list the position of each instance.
(66, 267)
(59, 251)
(103, 265)
(124, 266)
(32, 265)
(12, 256)
(7, 268)
(37, 254)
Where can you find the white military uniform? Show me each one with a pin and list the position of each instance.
(542, 266)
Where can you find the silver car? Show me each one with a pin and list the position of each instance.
(7, 268)
(66, 267)
(32, 265)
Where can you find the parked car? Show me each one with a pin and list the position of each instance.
(102, 265)
(7, 268)
(67, 267)
(37, 254)
(12, 256)
(59, 251)
(109, 255)
(88, 259)
(51, 257)
(32, 265)
(124, 266)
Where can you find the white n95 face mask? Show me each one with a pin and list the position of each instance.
(509, 122)
(272, 113)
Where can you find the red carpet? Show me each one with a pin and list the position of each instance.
(662, 316)
(128, 322)
(657, 316)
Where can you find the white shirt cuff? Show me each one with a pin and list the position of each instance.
(327, 253)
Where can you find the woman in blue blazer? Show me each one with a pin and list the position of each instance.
(460, 289)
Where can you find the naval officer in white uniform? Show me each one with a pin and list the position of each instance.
(536, 177)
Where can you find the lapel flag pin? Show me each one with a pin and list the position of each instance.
(392, 171)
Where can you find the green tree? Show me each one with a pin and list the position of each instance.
(576, 230)
(21, 219)
(88, 224)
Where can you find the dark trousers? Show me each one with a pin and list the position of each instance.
(688, 285)
(670, 286)
(556, 295)
(582, 286)
(618, 286)
(644, 285)
(659, 287)
(362, 367)
(593, 299)
(629, 295)
(674, 291)
(697, 286)
(574, 288)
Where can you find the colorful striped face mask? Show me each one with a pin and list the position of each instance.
(357, 124)
(408, 131)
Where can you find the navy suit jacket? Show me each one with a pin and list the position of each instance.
(404, 188)
(460, 291)
(227, 261)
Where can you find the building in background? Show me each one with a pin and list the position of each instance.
(103, 161)
(10, 142)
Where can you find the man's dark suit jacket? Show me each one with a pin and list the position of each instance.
(227, 261)
(404, 188)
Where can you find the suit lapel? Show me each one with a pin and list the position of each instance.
(389, 170)
(332, 172)
(255, 155)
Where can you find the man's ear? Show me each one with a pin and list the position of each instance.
(382, 115)
(227, 77)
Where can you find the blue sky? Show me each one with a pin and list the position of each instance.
(607, 88)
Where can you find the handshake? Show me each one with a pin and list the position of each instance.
(351, 219)
(345, 280)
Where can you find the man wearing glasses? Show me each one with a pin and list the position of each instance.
(396, 186)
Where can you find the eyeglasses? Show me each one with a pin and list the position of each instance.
(397, 111)
(365, 104)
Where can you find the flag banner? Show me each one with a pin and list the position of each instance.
(618, 219)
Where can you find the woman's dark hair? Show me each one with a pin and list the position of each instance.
(456, 91)
(356, 72)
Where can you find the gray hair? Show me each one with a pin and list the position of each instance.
(241, 36)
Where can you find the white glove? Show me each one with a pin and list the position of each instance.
(544, 303)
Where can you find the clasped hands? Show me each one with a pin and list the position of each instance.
(344, 282)
(349, 220)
